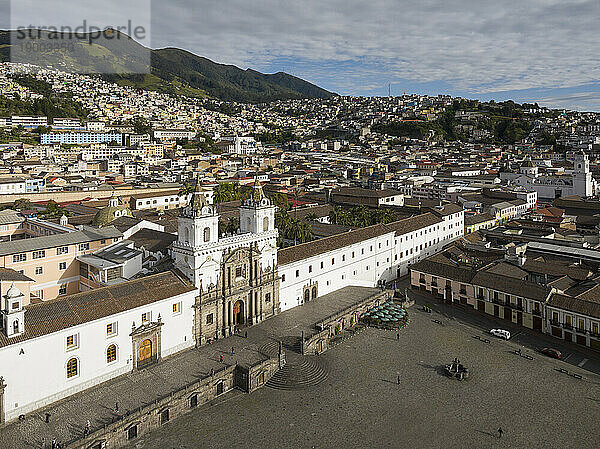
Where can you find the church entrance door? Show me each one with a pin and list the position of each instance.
(145, 351)
(238, 312)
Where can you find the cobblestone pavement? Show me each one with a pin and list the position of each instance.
(580, 358)
(361, 405)
(68, 417)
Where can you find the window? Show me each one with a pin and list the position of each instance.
(267, 297)
(209, 318)
(193, 401)
(111, 329)
(297, 273)
(72, 368)
(362, 250)
(177, 308)
(19, 258)
(111, 354)
(102, 242)
(343, 257)
(132, 432)
(283, 278)
(321, 265)
(238, 272)
(333, 261)
(310, 268)
(38, 254)
(62, 290)
(164, 416)
(62, 266)
(146, 317)
(207, 234)
(72, 341)
(39, 270)
(353, 254)
(84, 246)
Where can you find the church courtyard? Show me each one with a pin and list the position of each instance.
(359, 402)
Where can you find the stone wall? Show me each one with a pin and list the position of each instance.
(150, 417)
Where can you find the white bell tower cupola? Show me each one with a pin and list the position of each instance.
(198, 223)
(13, 314)
(257, 214)
(582, 176)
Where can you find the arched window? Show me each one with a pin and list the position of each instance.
(207, 234)
(265, 224)
(111, 353)
(187, 235)
(248, 222)
(72, 368)
(16, 326)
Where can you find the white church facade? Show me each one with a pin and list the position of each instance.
(580, 182)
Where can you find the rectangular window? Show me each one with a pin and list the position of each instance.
(209, 318)
(111, 329)
(333, 261)
(177, 308)
(321, 265)
(310, 268)
(19, 258)
(267, 297)
(84, 246)
(297, 273)
(164, 416)
(353, 254)
(146, 317)
(283, 278)
(39, 270)
(62, 290)
(62, 250)
(72, 342)
(39, 254)
(62, 266)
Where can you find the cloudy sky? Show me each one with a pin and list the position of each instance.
(527, 50)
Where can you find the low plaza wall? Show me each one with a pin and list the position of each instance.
(127, 428)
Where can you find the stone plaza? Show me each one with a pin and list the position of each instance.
(360, 404)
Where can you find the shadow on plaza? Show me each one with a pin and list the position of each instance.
(439, 369)
(485, 432)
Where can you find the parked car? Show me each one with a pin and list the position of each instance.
(551, 352)
(500, 333)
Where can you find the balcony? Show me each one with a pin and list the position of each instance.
(581, 330)
(554, 322)
(568, 326)
(536, 312)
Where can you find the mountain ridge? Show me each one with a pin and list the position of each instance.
(173, 71)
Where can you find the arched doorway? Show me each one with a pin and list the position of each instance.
(238, 312)
(314, 292)
(306, 295)
(145, 351)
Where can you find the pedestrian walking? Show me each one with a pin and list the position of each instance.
(500, 432)
(116, 407)
(221, 358)
(398, 379)
(232, 350)
(246, 334)
(43, 443)
(47, 417)
(53, 443)
(86, 431)
(398, 336)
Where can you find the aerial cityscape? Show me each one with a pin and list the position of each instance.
(199, 254)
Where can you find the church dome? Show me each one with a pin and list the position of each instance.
(109, 213)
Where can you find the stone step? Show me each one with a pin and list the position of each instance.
(298, 374)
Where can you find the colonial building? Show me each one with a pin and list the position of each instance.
(365, 257)
(236, 275)
(580, 182)
(74, 342)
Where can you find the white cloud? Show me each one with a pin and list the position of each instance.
(479, 46)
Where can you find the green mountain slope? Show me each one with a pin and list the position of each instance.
(173, 71)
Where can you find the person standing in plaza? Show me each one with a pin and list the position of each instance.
(500, 432)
